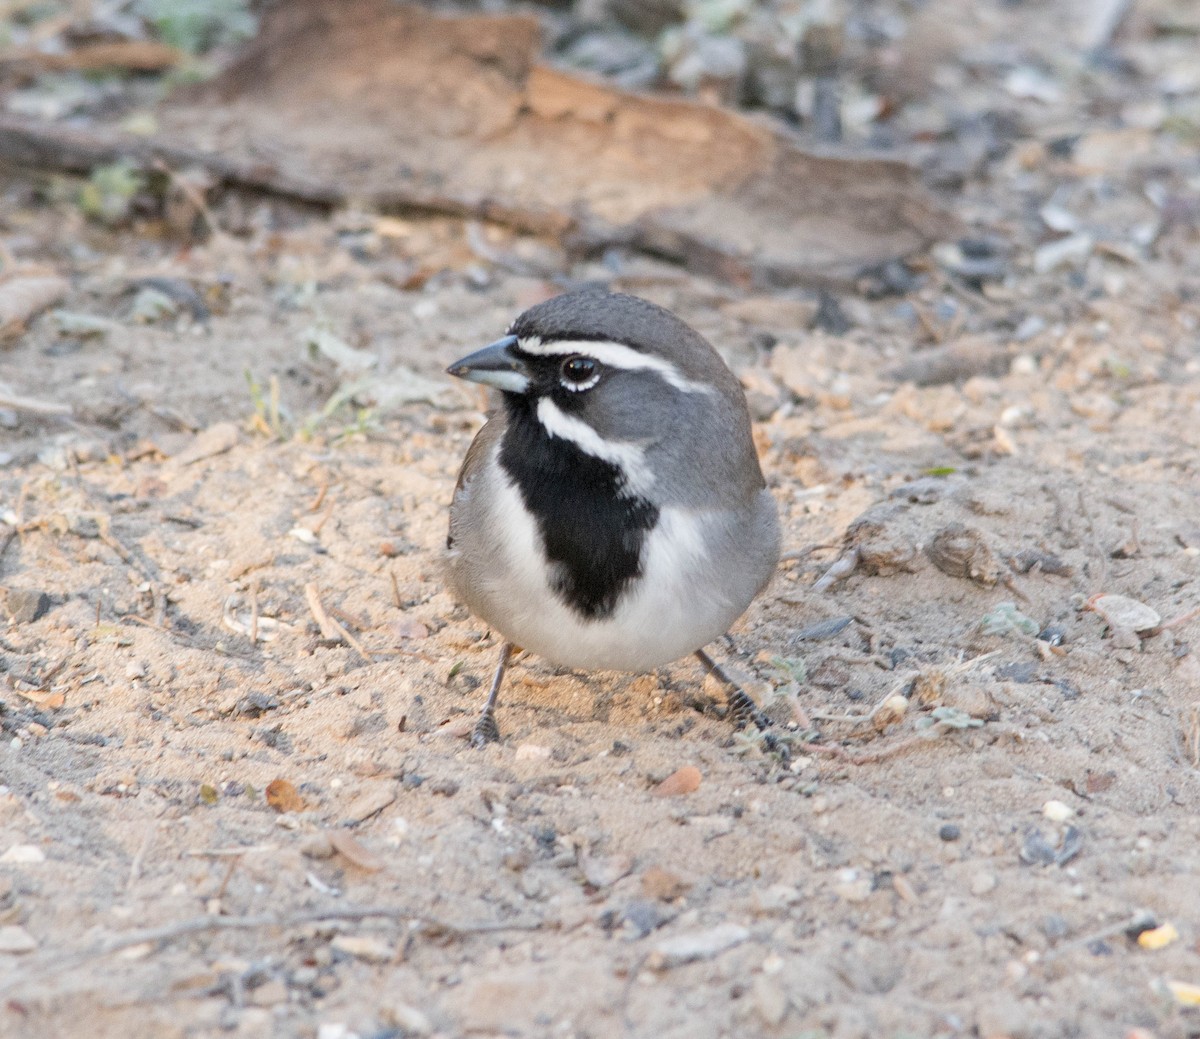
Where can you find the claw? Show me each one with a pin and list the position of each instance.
(486, 731)
(744, 711)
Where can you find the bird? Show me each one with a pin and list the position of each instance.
(611, 514)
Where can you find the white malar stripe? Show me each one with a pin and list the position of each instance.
(629, 459)
(615, 355)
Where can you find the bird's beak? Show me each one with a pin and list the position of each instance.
(495, 365)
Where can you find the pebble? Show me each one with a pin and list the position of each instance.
(370, 801)
(270, 993)
(23, 605)
(1057, 812)
(15, 940)
(1064, 252)
(532, 752)
(691, 946)
(949, 832)
(603, 870)
(1124, 613)
(663, 884)
(983, 883)
(770, 1000)
(23, 855)
(682, 781)
(408, 1019)
(854, 886)
(774, 900)
(364, 947)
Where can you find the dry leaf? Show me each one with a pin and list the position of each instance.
(662, 884)
(42, 698)
(22, 298)
(682, 781)
(354, 851)
(284, 797)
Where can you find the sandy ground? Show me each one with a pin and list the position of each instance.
(235, 795)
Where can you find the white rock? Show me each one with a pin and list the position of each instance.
(1057, 812)
(14, 939)
(1065, 252)
(408, 1019)
(696, 945)
(364, 947)
(770, 1000)
(1120, 611)
(23, 854)
(532, 752)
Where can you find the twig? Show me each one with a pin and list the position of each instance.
(844, 566)
(221, 853)
(861, 719)
(135, 867)
(1136, 923)
(1099, 549)
(330, 628)
(58, 960)
(15, 402)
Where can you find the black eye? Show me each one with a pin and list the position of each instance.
(578, 370)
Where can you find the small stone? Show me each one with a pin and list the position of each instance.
(602, 870)
(23, 605)
(775, 900)
(770, 1000)
(691, 946)
(949, 832)
(641, 918)
(16, 940)
(854, 886)
(443, 787)
(364, 947)
(213, 441)
(1071, 251)
(370, 801)
(1122, 613)
(983, 883)
(663, 885)
(23, 855)
(269, 993)
(533, 752)
(408, 1019)
(318, 846)
(682, 781)
(1055, 927)
(1057, 812)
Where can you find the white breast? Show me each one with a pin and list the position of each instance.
(677, 606)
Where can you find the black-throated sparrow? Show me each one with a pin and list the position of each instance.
(611, 514)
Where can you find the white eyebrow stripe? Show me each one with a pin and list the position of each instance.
(615, 355)
(629, 459)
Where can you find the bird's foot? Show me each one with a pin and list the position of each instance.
(743, 711)
(486, 730)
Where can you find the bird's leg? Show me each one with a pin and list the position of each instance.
(742, 709)
(486, 730)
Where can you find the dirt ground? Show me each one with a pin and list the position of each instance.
(235, 796)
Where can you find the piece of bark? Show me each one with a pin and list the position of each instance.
(406, 110)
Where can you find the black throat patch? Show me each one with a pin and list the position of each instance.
(590, 529)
